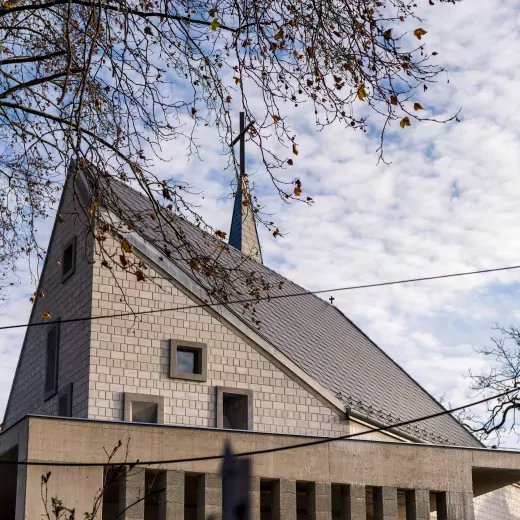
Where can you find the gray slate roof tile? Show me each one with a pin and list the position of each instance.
(322, 341)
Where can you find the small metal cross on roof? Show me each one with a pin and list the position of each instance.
(331, 300)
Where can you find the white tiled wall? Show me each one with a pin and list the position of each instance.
(132, 355)
(502, 504)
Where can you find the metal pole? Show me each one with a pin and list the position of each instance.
(242, 144)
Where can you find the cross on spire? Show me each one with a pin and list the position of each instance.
(243, 234)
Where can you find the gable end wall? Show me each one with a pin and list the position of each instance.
(64, 300)
(132, 355)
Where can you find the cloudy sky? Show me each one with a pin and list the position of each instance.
(448, 202)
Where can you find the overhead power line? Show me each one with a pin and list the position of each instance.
(265, 298)
(325, 440)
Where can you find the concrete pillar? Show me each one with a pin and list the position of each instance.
(455, 506)
(355, 506)
(132, 490)
(385, 503)
(209, 496)
(321, 503)
(255, 498)
(171, 506)
(418, 504)
(284, 500)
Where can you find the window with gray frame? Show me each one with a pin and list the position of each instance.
(143, 408)
(188, 360)
(68, 260)
(65, 401)
(52, 351)
(234, 408)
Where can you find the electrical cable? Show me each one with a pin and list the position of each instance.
(263, 298)
(325, 440)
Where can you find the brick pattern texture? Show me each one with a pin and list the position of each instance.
(133, 355)
(69, 299)
(502, 504)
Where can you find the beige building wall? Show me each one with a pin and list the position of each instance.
(64, 300)
(502, 504)
(132, 354)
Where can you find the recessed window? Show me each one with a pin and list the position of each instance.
(193, 496)
(65, 401)
(144, 412)
(304, 501)
(234, 408)
(51, 359)
(267, 500)
(68, 260)
(142, 408)
(188, 360)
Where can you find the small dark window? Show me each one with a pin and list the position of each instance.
(193, 496)
(155, 499)
(267, 505)
(68, 261)
(304, 501)
(65, 402)
(51, 360)
(144, 412)
(235, 411)
(188, 360)
(112, 480)
(234, 408)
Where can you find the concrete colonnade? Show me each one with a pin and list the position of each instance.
(283, 499)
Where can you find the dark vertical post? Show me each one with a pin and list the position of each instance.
(242, 144)
(236, 487)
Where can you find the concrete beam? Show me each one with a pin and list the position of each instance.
(354, 502)
(284, 500)
(418, 504)
(132, 490)
(255, 498)
(385, 503)
(209, 496)
(455, 506)
(172, 501)
(321, 502)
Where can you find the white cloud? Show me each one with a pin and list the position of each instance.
(375, 223)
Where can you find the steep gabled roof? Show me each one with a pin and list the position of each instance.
(317, 337)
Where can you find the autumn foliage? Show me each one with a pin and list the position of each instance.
(112, 82)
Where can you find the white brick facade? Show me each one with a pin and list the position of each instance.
(133, 356)
(502, 504)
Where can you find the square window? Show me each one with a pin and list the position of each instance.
(234, 408)
(144, 412)
(141, 408)
(188, 360)
(68, 260)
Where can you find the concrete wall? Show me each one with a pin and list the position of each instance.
(65, 300)
(401, 465)
(132, 355)
(392, 466)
